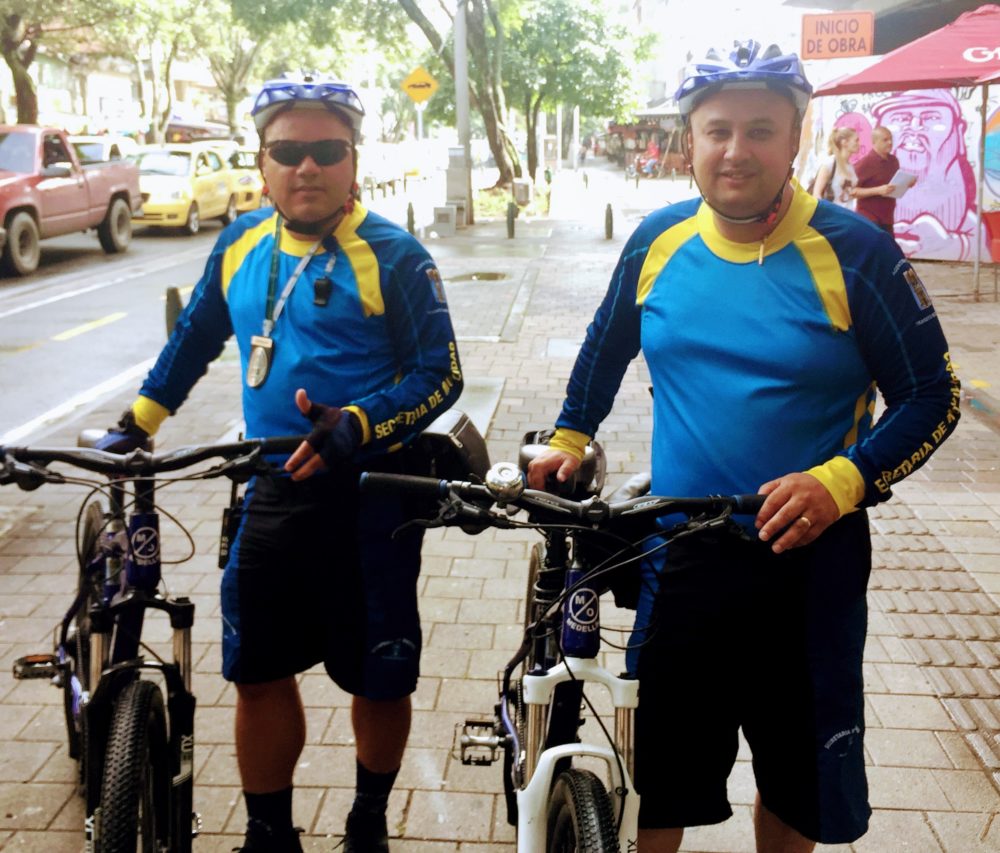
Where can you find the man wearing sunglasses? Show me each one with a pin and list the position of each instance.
(334, 304)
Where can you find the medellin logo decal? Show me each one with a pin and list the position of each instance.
(436, 284)
(917, 288)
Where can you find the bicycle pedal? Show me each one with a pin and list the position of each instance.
(37, 666)
(477, 742)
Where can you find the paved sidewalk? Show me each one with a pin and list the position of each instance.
(933, 697)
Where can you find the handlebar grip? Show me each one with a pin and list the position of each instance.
(374, 482)
(748, 504)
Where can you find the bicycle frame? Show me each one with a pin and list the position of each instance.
(558, 804)
(128, 564)
(120, 576)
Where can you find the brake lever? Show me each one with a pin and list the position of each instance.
(26, 476)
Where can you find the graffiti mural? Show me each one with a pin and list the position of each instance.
(936, 137)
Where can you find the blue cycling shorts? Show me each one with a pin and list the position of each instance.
(314, 576)
(739, 637)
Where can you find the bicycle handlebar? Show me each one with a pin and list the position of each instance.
(25, 466)
(592, 511)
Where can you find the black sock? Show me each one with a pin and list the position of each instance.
(372, 790)
(273, 808)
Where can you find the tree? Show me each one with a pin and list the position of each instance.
(26, 24)
(231, 50)
(153, 34)
(571, 52)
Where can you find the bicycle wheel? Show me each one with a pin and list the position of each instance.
(78, 641)
(580, 818)
(135, 810)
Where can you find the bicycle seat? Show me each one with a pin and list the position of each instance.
(587, 481)
(634, 487)
(454, 447)
(90, 437)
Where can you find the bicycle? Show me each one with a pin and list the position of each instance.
(555, 803)
(135, 751)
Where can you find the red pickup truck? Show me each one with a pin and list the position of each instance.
(46, 192)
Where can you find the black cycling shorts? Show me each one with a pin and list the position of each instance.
(315, 575)
(742, 637)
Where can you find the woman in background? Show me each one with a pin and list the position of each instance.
(836, 177)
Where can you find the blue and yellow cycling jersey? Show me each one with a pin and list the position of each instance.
(764, 367)
(381, 342)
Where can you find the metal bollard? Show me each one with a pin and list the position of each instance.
(174, 308)
(511, 216)
(410, 221)
(609, 222)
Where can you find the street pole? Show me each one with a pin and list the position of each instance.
(559, 134)
(462, 101)
(575, 147)
(420, 119)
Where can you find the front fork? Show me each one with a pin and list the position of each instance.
(182, 821)
(542, 762)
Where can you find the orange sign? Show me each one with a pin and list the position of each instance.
(837, 35)
(420, 85)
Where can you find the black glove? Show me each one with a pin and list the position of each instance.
(125, 437)
(336, 433)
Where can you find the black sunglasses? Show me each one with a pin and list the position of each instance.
(325, 152)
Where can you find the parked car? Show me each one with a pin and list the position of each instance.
(45, 192)
(101, 149)
(249, 182)
(184, 183)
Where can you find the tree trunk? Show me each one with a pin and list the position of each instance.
(24, 90)
(484, 82)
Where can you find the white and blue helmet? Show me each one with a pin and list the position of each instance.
(746, 67)
(278, 95)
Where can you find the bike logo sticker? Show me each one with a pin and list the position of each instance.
(145, 545)
(583, 609)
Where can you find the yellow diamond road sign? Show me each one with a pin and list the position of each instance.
(420, 85)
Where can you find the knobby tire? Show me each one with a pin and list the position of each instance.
(79, 646)
(580, 818)
(135, 811)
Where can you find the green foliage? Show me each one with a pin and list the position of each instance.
(573, 52)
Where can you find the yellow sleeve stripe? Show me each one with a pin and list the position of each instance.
(238, 251)
(149, 414)
(366, 430)
(843, 481)
(570, 441)
(828, 277)
(362, 260)
(659, 254)
(863, 404)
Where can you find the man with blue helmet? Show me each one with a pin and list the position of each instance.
(331, 303)
(768, 321)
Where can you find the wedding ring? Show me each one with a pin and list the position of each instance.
(805, 521)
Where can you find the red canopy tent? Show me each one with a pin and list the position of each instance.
(966, 52)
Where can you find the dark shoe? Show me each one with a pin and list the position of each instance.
(260, 838)
(366, 834)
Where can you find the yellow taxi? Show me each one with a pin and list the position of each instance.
(183, 184)
(249, 183)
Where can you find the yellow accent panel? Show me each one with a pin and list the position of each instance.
(799, 212)
(362, 260)
(366, 430)
(149, 414)
(828, 277)
(843, 481)
(569, 441)
(861, 405)
(238, 251)
(659, 255)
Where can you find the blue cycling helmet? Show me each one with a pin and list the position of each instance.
(746, 67)
(278, 95)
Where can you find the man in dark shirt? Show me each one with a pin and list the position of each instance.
(874, 171)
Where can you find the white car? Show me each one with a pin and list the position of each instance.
(101, 149)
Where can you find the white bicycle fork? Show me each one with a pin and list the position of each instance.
(532, 800)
